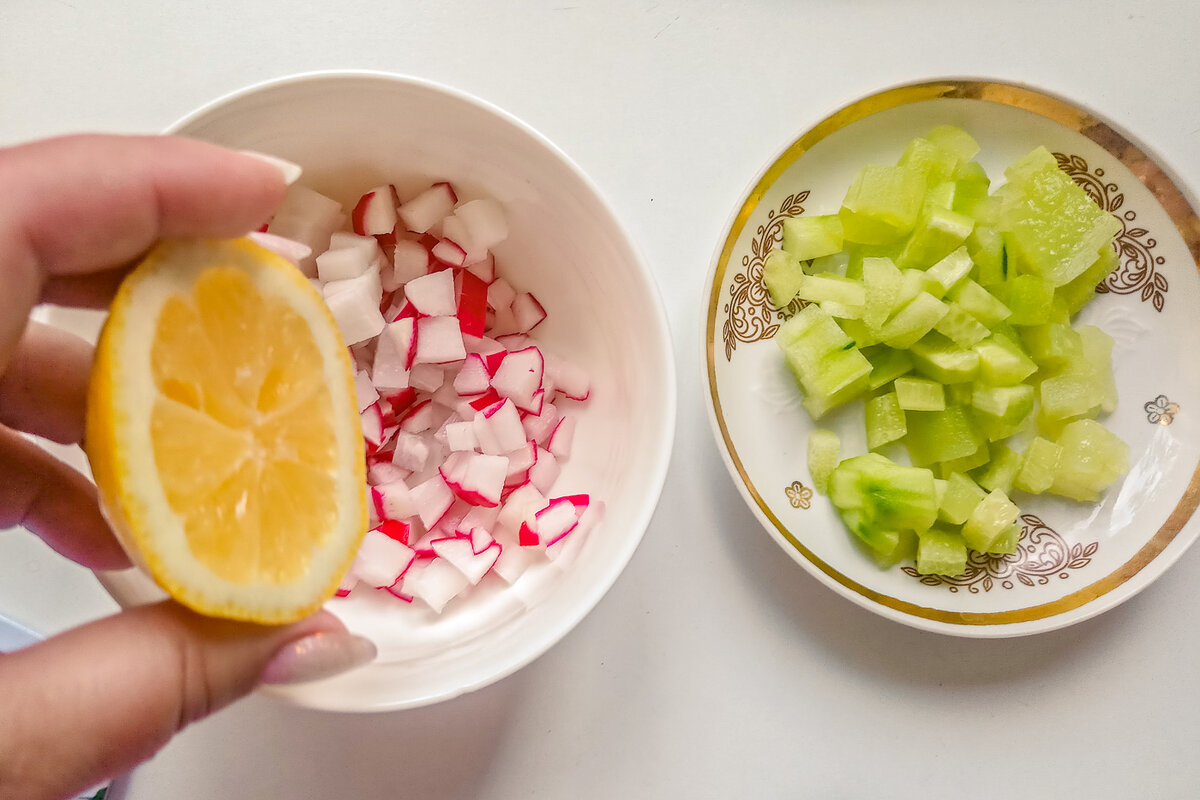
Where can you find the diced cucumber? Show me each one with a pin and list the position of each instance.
(985, 245)
(1002, 362)
(935, 356)
(1052, 346)
(883, 494)
(957, 141)
(960, 327)
(960, 498)
(979, 303)
(966, 463)
(858, 331)
(834, 264)
(806, 238)
(913, 321)
(884, 420)
(1076, 294)
(886, 365)
(1000, 471)
(938, 233)
(841, 311)
(1097, 351)
(950, 270)
(1093, 458)
(936, 163)
(782, 275)
(941, 552)
(1039, 465)
(919, 394)
(1029, 297)
(988, 528)
(819, 288)
(881, 283)
(824, 452)
(882, 204)
(825, 362)
(945, 435)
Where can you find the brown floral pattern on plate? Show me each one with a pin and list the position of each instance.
(799, 495)
(1161, 411)
(1042, 555)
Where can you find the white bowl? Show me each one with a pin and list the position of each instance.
(1074, 560)
(352, 131)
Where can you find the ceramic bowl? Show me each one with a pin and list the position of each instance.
(1074, 560)
(353, 131)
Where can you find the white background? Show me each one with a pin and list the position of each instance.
(716, 667)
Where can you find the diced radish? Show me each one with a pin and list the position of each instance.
(375, 212)
(566, 549)
(538, 427)
(544, 471)
(346, 586)
(519, 463)
(569, 379)
(368, 283)
(450, 252)
(527, 312)
(396, 529)
(473, 377)
(426, 377)
(295, 252)
(401, 401)
(432, 295)
(410, 261)
(393, 500)
(556, 520)
(394, 354)
(559, 441)
(372, 427)
(478, 524)
(514, 560)
(418, 418)
(386, 472)
(459, 552)
(446, 397)
(461, 436)
(520, 507)
(482, 345)
(349, 257)
(433, 498)
(365, 391)
(429, 207)
(475, 478)
(472, 305)
(439, 341)
(500, 294)
(436, 583)
(519, 376)
(412, 452)
(484, 269)
(357, 314)
(515, 341)
(484, 221)
(307, 217)
(505, 423)
(381, 560)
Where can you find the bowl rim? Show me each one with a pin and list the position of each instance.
(1164, 547)
(659, 454)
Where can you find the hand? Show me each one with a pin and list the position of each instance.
(95, 701)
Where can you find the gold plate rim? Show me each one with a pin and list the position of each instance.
(1148, 171)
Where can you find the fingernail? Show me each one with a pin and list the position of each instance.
(289, 171)
(317, 656)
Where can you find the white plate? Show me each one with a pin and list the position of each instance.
(1074, 560)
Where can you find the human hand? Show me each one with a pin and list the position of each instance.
(93, 702)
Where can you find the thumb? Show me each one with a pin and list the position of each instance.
(95, 701)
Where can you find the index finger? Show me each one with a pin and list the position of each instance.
(83, 204)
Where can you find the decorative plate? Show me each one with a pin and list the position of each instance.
(1074, 560)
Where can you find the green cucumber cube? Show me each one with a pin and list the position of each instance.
(887, 364)
(913, 321)
(841, 311)
(881, 283)
(806, 238)
(957, 141)
(960, 327)
(1008, 403)
(1000, 471)
(966, 463)
(935, 356)
(782, 275)
(858, 331)
(1097, 352)
(945, 435)
(939, 195)
(1002, 362)
(934, 162)
(979, 303)
(1029, 297)
(960, 498)
(823, 287)
(825, 362)
(824, 452)
(971, 189)
(950, 270)
(1052, 346)
(1072, 394)
(941, 552)
(901, 546)
(919, 394)
(1093, 458)
(1078, 292)
(1039, 464)
(985, 245)
(883, 495)
(988, 528)
(938, 233)
(882, 204)
(834, 264)
(884, 420)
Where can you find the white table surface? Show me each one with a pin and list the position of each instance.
(715, 667)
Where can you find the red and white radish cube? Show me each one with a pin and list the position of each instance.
(559, 441)
(505, 423)
(381, 560)
(412, 452)
(393, 501)
(520, 507)
(439, 341)
(386, 472)
(422, 212)
(484, 222)
(527, 312)
(395, 351)
(461, 436)
(476, 478)
(544, 471)
(426, 377)
(432, 498)
(375, 212)
(459, 551)
(348, 257)
(472, 305)
(410, 260)
(473, 377)
(519, 377)
(450, 252)
(308, 218)
(356, 313)
(500, 294)
(364, 390)
(435, 582)
(432, 294)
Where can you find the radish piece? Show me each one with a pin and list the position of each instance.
(475, 478)
(484, 269)
(478, 524)
(381, 560)
(544, 471)
(295, 252)
(500, 294)
(309, 218)
(396, 529)
(519, 463)
(410, 261)
(368, 283)
(484, 222)
(527, 312)
(559, 441)
(347, 584)
(520, 507)
(365, 391)
(446, 397)
(393, 501)
(439, 341)
(538, 427)
(436, 582)
(519, 376)
(418, 418)
(566, 549)
(429, 207)
(432, 295)
(569, 379)
(472, 305)
(432, 498)
(372, 427)
(460, 553)
(402, 400)
(449, 252)
(482, 345)
(394, 353)
(461, 436)
(505, 423)
(473, 377)
(426, 377)
(356, 313)
(386, 472)
(448, 524)
(514, 560)
(375, 212)
(515, 341)
(348, 257)
(411, 453)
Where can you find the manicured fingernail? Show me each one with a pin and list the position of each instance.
(317, 656)
(291, 172)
